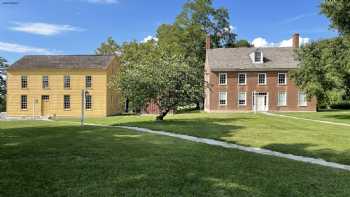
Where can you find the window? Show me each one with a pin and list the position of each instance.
(242, 78)
(24, 82)
(45, 82)
(242, 100)
(66, 102)
(302, 99)
(24, 102)
(282, 78)
(262, 78)
(282, 99)
(258, 57)
(45, 97)
(88, 102)
(88, 81)
(66, 82)
(222, 78)
(222, 98)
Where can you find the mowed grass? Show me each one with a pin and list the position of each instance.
(61, 159)
(341, 116)
(299, 137)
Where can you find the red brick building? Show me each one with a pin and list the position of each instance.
(253, 79)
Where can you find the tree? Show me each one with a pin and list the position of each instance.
(186, 36)
(3, 66)
(325, 65)
(338, 11)
(243, 43)
(324, 68)
(110, 47)
(151, 74)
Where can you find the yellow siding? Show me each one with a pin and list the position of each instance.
(56, 92)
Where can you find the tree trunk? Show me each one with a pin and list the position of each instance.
(162, 114)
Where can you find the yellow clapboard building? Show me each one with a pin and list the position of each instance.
(52, 85)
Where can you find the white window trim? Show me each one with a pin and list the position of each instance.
(225, 78)
(286, 78)
(265, 79)
(225, 99)
(245, 80)
(261, 60)
(278, 99)
(245, 98)
(304, 104)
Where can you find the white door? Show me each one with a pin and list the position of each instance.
(261, 103)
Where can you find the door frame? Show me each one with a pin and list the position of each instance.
(254, 101)
(43, 102)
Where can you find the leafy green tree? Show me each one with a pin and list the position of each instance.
(3, 66)
(110, 47)
(324, 68)
(151, 74)
(187, 35)
(338, 11)
(243, 43)
(325, 65)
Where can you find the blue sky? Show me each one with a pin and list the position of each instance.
(79, 26)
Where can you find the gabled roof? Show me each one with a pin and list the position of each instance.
(63, 62)
(232, 59)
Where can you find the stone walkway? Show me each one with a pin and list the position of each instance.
(307, 119)
(235, 146)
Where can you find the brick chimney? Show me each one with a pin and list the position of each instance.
(208, 42)
(296, 41)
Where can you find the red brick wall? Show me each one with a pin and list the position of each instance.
(272, 88)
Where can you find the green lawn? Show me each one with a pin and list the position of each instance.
(332, 116)
(298, 137)
(60, 159)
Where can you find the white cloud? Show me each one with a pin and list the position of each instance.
(149, 38)
(103, 1)
(18, 48)
(262, 42)
(297, 18)
(45, 29)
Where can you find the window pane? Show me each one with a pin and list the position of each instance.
(222, 98)
(24, 102)
(302, 99)
(88, 81)
(24, 81)
(222, 78)
(45, 82)
(258, 56)
(262, 78)
(282, 78)
(66, 102)
(242, 79)
(88, 102)
(282, 98)
(242, 98)
(66, 81)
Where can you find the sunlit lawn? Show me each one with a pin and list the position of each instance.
(61, 159)
(341, 116)
(286, 135)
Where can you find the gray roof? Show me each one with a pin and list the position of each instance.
(231, 59)
(63, 61)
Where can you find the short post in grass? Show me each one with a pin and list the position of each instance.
(84, 93)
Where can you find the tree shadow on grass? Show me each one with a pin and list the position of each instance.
(216, 128)
(331, 155)
(340, 116)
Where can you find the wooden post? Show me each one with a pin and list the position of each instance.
(82, 108)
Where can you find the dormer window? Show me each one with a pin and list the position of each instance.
(258, 56)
